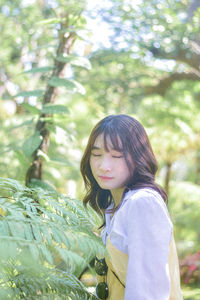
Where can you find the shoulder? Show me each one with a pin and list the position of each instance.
(143, 213)
(145, 203)
(144, 197)
(147, 215)
(143, 192)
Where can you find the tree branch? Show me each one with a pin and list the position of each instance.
(190, 57)
(166, 82)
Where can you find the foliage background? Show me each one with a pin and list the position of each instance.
(145, 61)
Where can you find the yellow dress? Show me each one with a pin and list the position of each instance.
(141, 250)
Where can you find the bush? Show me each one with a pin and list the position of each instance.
(190, 269)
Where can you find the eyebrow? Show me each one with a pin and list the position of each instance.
(96, 148)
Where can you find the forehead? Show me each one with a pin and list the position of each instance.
(107, 142)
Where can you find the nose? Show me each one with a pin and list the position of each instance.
(105, 165)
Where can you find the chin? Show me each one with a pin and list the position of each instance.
(105, 187)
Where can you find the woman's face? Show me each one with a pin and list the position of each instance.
(109, 166)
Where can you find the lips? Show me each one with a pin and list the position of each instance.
(105, 178)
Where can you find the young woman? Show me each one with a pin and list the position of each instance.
(118, 168)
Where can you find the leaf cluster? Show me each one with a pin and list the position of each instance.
(47, 240)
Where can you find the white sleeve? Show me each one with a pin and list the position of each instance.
(149, 231)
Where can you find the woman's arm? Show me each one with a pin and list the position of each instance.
(149, 232)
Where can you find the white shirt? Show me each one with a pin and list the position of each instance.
(142, 229)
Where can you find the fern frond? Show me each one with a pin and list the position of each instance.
(39, 229)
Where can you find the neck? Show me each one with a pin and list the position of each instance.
(117, 195)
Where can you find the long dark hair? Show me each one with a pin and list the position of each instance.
(133, 141)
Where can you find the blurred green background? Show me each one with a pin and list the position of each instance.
(66, 64)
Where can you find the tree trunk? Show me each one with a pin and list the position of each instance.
(198, 167)
(168, 176)
(36, 166)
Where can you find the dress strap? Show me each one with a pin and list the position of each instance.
(118, 278)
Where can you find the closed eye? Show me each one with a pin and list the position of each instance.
(117, 156)
(95, 154)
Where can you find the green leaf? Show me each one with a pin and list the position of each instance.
(46, 234)
(75, 60)
(37, 233)
(30, 108)
(79, 88)
(46, 253)
(28, 231)
(34, 93)
(16, 230)
(40, 70)
(54, 109)
(4, 229)
(71, 85)
(31, 144)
